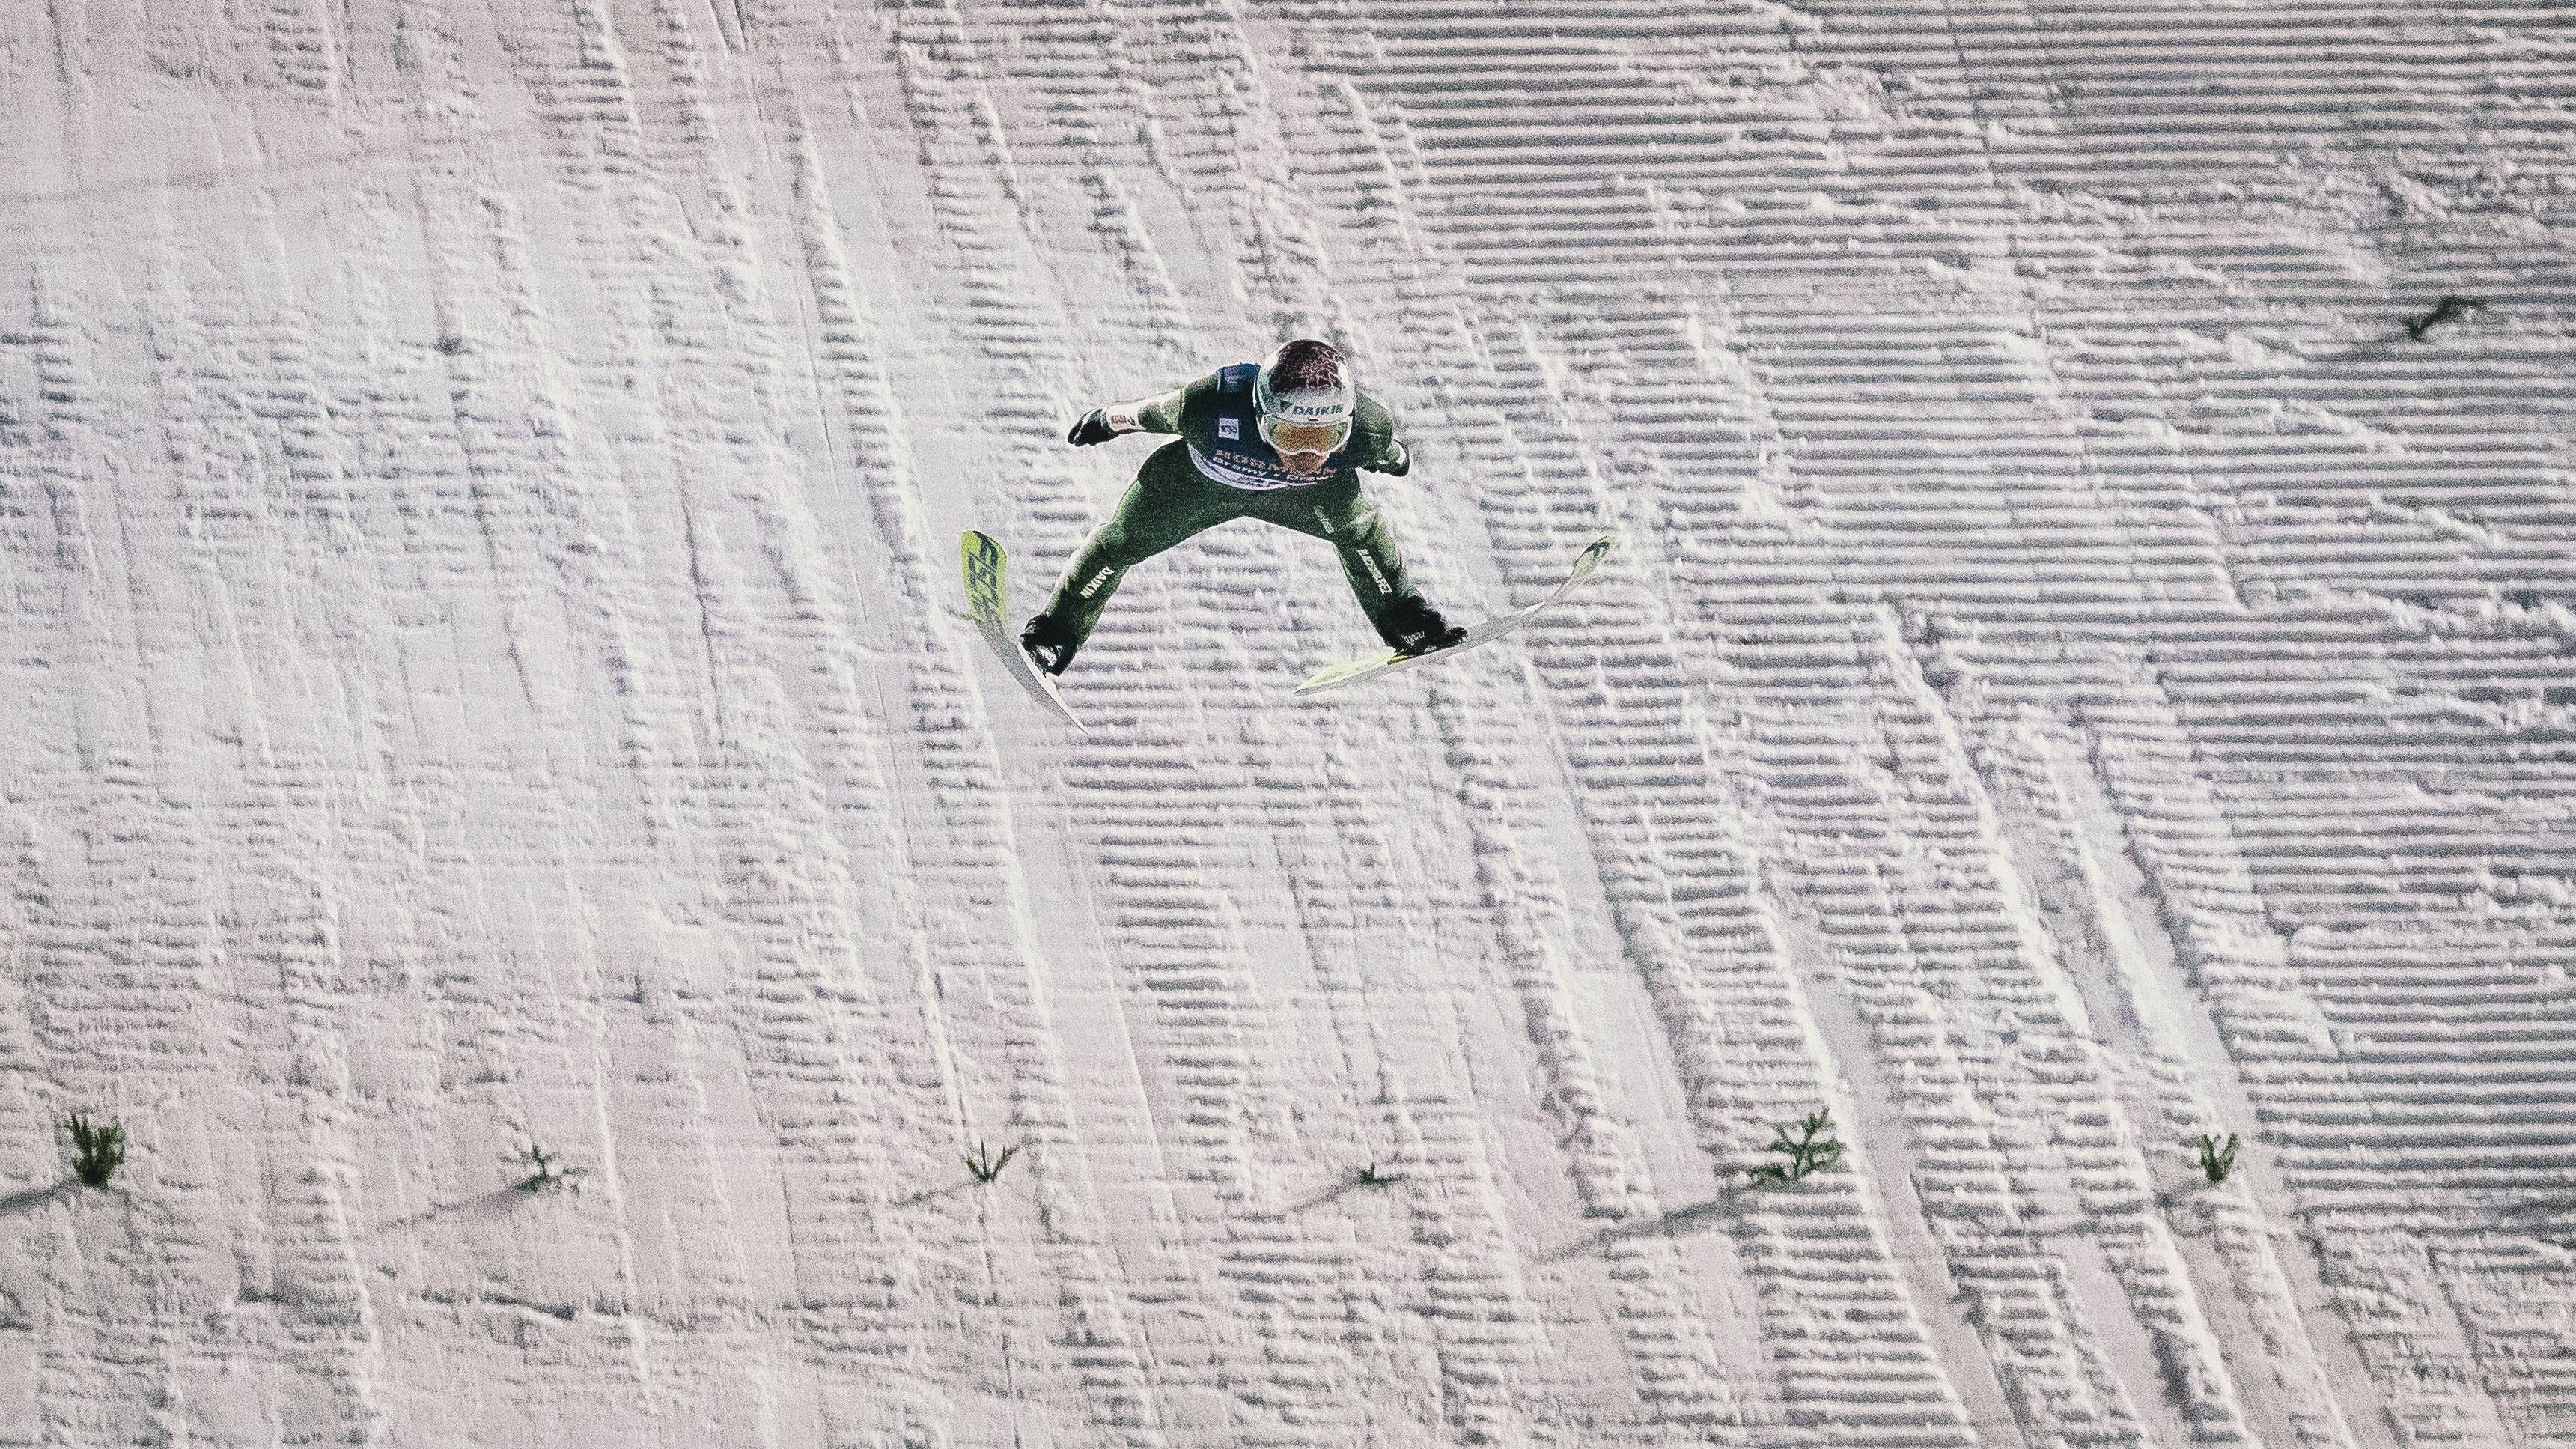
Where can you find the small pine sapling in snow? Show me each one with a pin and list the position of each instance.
(2217, 1159)
(546, 1173)
(986, 1166)
(98, 1149)
(2449, 309)
(1812, 1148)
(1369, 1176)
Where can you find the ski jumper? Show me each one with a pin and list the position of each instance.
(1219, 470)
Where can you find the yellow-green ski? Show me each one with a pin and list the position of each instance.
(987, 569)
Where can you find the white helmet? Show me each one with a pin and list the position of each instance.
(1304, 398)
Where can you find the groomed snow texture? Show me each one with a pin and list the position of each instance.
(481, 662)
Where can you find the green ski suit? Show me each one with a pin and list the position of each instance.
(1219, 470)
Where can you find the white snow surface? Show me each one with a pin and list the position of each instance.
(481, 662)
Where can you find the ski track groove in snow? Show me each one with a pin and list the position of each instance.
(478, 491)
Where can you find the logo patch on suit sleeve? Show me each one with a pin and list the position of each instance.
(1230, 428)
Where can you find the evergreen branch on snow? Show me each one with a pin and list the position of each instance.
(1815, 1146)
(98, 1148)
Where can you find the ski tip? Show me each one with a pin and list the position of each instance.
(1584, 562)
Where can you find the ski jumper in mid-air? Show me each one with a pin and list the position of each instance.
(1283, 442)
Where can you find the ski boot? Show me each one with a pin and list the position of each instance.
(1413, 627)
(1048, 644)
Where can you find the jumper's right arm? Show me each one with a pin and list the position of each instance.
(1160, 413)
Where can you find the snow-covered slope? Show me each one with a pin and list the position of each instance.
(480, 663)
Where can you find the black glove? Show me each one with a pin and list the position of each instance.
(1395, 462)
(1093, 428)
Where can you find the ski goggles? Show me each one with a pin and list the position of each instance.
(1288, 437)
